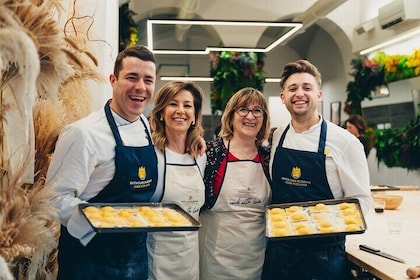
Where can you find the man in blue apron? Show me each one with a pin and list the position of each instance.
(312, 159)
(107, 157)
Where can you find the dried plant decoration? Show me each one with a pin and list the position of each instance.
(44, 74)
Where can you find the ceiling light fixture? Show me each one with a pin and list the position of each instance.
(294, 27)
(186, 78)
(391, 42)
(206, 79)
(272, 80)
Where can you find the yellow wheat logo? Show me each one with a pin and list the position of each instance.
(296, 172)
(142, 172)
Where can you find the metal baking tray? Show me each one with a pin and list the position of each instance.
(193, 224)
(333, 214)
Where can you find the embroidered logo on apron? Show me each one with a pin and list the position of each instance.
(142, 172)
(296, 173)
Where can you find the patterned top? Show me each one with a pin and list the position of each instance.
(216, 153)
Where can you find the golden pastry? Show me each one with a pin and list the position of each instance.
(275, 211)
(298, 217)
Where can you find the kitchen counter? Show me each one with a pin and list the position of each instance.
(405, 245)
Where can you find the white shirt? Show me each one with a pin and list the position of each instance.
(346, 165)
(83, 164)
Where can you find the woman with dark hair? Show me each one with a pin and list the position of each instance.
(232, 236)
(177, 134)
(356, 126)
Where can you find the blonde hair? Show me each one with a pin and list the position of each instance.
(242, 98)
(162, 98)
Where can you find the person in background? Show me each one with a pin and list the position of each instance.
(176, 123)
(355, 124)
(97, 159)
(232, 236)
(327, 163)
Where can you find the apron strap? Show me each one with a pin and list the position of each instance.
(322, 137)
(114, 127)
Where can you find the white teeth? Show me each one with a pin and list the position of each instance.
(299, 102)
(139, 98)
(250, 124)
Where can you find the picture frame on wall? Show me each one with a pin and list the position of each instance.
(335, 112)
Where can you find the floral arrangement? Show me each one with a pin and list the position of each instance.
(372, 73)
(395, 147)
(232, 71)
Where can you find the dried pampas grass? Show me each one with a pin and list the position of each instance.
(28, 229)
(48, 80)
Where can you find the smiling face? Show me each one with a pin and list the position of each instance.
(301, 95)
(133, 88)
(179, 113)
(247, 126)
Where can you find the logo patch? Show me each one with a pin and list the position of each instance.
(142, 172)
(296, 172)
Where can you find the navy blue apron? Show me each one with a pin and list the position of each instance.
(299, 176)
(114, 255)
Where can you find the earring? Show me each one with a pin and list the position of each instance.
(161, 119)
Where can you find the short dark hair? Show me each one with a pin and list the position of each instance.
(300, 66)
(138, 51)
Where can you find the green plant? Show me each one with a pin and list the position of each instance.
(399, 147)
(367, 76)
(232, 71)
(128, 33)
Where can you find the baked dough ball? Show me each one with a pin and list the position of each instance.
(351, 220)
(324, 224)
(298, 217)
(280, 232)
(346, 205)
(352, 227)
(316, 217)
(276, 211)
(304, 229)
(277, 225)
(327, 229)
(348, 212)
(319, 207)
(277, 218)
(293, 209)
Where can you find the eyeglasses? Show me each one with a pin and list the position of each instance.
(256, 112)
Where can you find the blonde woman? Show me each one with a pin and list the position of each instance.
(232, 239)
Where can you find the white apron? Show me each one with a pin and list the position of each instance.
(232, 236)
(175, 255)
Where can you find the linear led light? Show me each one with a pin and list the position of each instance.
(272, 80)
(186, 78)
(391, 42)
(205, 79)
(294, 28)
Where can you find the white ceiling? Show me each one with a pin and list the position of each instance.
(304, 11)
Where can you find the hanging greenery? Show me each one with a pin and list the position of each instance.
(367, 76)
(128, 32)
(232, 71)
(380, 70)
(394, 147)
(399, 147)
